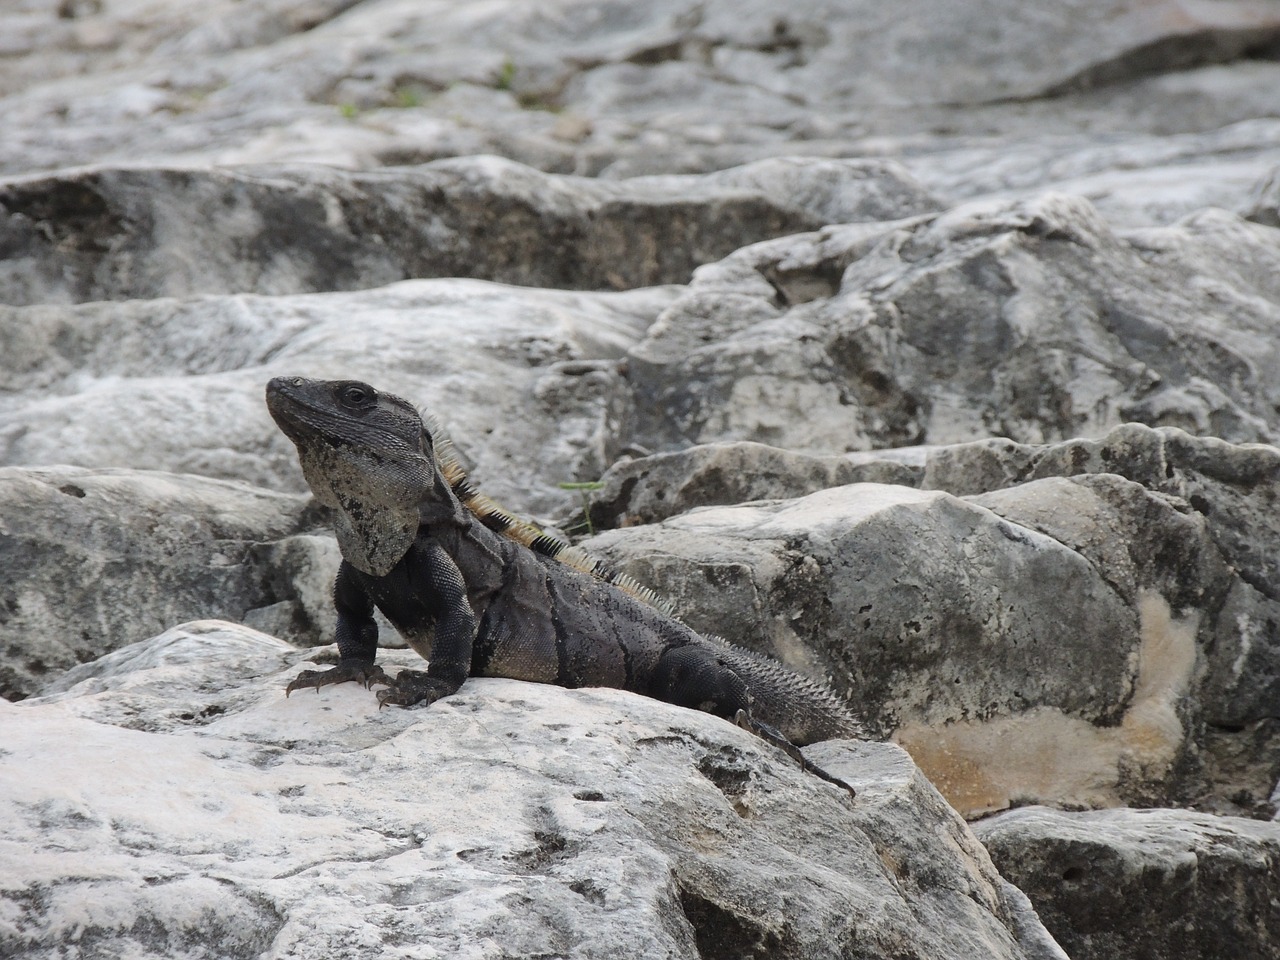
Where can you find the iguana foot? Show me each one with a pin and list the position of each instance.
(774, 736)
(413, 686)
(365, 674)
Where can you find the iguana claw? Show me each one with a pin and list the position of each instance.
(412, 687)
(365, 674)
(772, 735)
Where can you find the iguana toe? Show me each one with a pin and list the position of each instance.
(366, 674)
(412, 687)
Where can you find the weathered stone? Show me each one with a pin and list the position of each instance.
(509, 370)
(1145, 884)
(943, 623)
(653, 488)
(896, 594)
(510, 818)
(589, 86)
(1265, 208)
(1134, 180)
(97, 559)
(1030, 320)
(1228, 575)
(1156, 512)
(111, 234)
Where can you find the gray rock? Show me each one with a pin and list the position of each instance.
(895, 594)
(511, 818)
(1145, 884)
(177, 385)
(1134, 180)
(1029, 320)
(111, 234)
(1229, 573)
(97, 559)
(590, 85)
(1265, 208)
(944, 624)
(652, 488)
(1192, 519)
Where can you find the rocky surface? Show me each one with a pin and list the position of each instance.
(94, 553)
(511, 819)
(1145, 884)
(930, 347)
(1156, 109)
(1161, 686)
(126, 233)
(507, 369)
(1031, 320)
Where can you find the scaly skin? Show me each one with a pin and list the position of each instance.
(475, 603)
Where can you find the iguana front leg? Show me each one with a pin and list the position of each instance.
(357, 637)
(455, 628)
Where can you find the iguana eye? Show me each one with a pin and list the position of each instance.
(355, 396)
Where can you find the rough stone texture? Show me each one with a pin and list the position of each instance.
(1153, 108)
(509, 820)
(112, 234)
(1266, 201)
(507, 369)
(1145, 884)
(944, 622)
(1085, 281)
(652, 488)
(1054, 326)
(96, 559)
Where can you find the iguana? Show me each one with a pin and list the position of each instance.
(477, 592)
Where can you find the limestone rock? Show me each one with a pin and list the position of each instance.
(1266, 201)
(895, 594)
(1145, 884)
(1155, 512)
(112, 234)
(1033, 321)
(943, 622)
(97, 559)
(177, 385)
(589, 86)
(514, 818)
(652, 488)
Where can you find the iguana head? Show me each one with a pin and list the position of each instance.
(368, 455)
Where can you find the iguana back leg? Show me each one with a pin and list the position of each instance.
(694, 676)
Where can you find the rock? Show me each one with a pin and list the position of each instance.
(1190, 518)
(1132, 180)
(672, 86)
(1144, 884)
(943, 624)
(1053, 325)
(600, 824)
(113, 234)
(894, 593)
(97, 559)
(177, 385)
(1232, 579)
(652, 488)
(1266, 201)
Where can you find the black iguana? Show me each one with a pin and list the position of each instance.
(478, 593)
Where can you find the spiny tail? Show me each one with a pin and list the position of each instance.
(500, 520)
(805, 710)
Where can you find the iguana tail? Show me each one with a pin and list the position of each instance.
(803, 710)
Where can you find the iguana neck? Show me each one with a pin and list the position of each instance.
(378, 508)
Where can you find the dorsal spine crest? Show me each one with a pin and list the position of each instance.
(502, 521)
